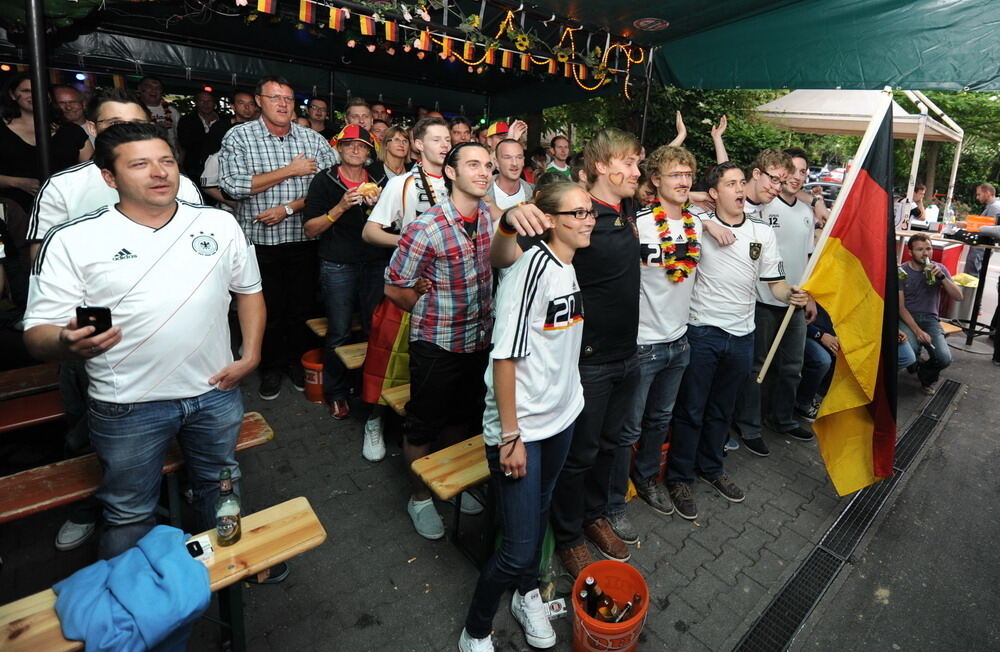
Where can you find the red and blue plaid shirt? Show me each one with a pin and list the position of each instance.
(457, 312)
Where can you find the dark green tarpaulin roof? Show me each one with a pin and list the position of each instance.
(860, 44)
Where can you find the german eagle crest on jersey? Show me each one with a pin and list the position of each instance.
(755, 248)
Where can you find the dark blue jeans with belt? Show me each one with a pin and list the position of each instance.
(719, 368)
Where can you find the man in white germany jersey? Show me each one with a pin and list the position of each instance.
(792, 222)
(165, 269)
(720, 335)
(80, 189)
(66, 195)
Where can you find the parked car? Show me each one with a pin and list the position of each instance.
(830, 190)
(836, 175)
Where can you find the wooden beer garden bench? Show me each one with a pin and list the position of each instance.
(318, 325)
(30, 410)
(28, 380)
(270, 536)
(61, 483)
(452, 471)
(352, 355)
(397, 398)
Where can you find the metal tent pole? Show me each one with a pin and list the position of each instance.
(649, 82)
(39, 80)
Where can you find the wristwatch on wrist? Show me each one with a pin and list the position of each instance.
(815, 199)
(288, 210)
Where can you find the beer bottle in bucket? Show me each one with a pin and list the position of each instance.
(227, 512)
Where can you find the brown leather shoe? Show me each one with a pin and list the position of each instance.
(339, 410)
(608, 543)
(575, 559)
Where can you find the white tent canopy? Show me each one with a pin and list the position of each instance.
(847, 113)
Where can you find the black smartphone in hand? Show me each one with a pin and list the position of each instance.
(96, 316)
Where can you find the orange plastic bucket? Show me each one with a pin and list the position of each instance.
(312, 364)
(621, 582)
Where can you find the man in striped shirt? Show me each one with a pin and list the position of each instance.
(449, 245)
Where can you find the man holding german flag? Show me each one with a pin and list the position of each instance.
(852, 275)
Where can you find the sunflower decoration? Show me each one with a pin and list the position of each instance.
(562, 54)
(601, 73)
(522, 42)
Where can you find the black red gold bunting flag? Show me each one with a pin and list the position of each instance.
(337, 19)
(491, 56)
(55, 76)
(507, 59)
(446, 46)
(526, 62)
(367, 25)
(424, 42)
(266, 6)
(306, 11)
(854, 279)
(119, 81)
(553, 66)
(568, 69)
(468, 50)
(581, 72)
(391, 31)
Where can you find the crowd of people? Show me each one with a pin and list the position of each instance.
(573, 308)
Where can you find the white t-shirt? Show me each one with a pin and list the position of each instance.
(750, 209)
(663, 304)
(725, 288)
(166, 118)
(539, 323)
(404, 199)
(505, 201)
(79, 190)
(167, 288)
(793, 231)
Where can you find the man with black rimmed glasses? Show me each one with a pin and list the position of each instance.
(267, 165)
(64, 196)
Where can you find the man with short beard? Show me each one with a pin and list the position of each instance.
(318, 111)
(791, 220)
(449, 245)
(508, 188)
(461, 130)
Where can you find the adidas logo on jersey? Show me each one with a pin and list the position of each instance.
(124, 254)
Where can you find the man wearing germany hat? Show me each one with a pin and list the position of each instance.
(337, 207)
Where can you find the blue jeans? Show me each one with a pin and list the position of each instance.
(905, 355)
(131, 441)
(661, 368)
(581, 494)
(939, 357)
(523, 509)
(345, 285)
(774, 399)
(718, 371)
(817, 366)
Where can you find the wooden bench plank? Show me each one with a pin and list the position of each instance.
(61, 483)
(452, 470)
(951, 328)
(352, 355)
(269, 536)
(31, 410)
(397, 397)
(319, 325)
(29, 380)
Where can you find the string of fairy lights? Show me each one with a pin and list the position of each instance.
(510, 45)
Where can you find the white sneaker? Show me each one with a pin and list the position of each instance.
(425, 518)
(72, 535)
(533, 616)
(373, 449)
(470, 506)
(468, 644)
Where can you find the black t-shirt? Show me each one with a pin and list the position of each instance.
(342, 242)
(608, 273)
(20, 159)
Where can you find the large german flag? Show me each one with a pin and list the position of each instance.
(854, 280)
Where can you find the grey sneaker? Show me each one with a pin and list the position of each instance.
(726, 488)
(425, 518)
(470, 506)
(680, 496)
(73, 535)
(623, 527)
(655, 496)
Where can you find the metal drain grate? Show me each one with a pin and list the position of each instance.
(913, 440)
(844, 535)
(936, 407)
(774, 629)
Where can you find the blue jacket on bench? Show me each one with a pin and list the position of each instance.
(141, 599)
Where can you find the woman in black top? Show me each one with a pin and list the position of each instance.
(20, 164)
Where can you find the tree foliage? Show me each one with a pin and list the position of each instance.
(977, 113)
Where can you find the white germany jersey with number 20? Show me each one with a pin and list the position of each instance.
(167, 288)
(539, 323)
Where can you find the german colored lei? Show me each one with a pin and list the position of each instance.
(677, 268)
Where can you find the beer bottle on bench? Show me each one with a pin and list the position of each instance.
(228, 528)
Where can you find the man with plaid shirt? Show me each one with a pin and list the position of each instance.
(449, 246)
(267, 166)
